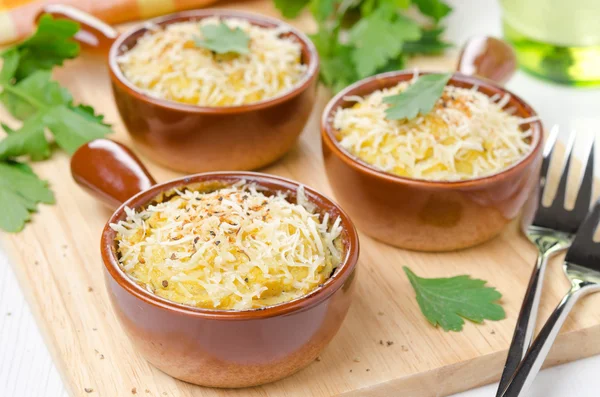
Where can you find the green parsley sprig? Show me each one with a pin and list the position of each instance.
(419, 98)
(46, 110)
(359, 38)
(221, 39)
(446, 301)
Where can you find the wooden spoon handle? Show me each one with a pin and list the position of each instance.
(109, 171)
(94, 33)
(488, 57)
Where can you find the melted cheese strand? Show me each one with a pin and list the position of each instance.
(233, 248)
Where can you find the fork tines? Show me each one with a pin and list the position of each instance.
(584, 251)
(556, 216)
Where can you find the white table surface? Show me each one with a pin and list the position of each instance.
(26, 369)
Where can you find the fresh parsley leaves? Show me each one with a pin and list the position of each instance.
(46, 109)
(446, 301)
(221, 39)
(291, 8)
(356, 39)
(378, 38)
(435, 9)
(20, 192)
(430, 43)
(419, 97)
(49, 46)
(42, 103)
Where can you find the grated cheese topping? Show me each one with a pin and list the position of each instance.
(467, 135)
(166, 63)
(233, 248)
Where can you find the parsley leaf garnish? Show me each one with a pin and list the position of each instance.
(446, 301)
(46, 109)
(419, 97)
(20, 192)
(221, 39)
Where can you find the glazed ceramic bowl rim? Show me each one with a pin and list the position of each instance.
(333, 144)
(253, 18)
(316, 296)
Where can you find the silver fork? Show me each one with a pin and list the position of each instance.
(552, 231)
(582, 268)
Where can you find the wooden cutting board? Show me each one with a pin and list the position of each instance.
(385, 347)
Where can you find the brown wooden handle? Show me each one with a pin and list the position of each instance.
(94, 33)
(488, 57)
(109, 171)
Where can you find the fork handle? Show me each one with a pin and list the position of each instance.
(525, 328)
(533, 360)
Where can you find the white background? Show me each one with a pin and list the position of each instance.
(26, 369)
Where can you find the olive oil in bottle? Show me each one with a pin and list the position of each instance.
(557, 40)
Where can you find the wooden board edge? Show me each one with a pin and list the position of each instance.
(569, 347)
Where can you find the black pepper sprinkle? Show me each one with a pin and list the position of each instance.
(389, 343)
(196, 240)
(220, 198)
(173, 256)
(245, 197)
(217, 242)
(88, 390)
(381, 342)
(165, 283)
(368, 369)
(212, 233)
(246, 279)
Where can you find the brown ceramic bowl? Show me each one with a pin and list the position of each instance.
(190, 138)
(214, 348)
(427, 215)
